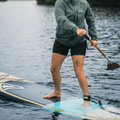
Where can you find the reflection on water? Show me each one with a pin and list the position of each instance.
(27, 33)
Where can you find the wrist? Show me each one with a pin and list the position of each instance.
(77, 30)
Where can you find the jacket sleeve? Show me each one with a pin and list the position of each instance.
(61, 19)
(91, 23)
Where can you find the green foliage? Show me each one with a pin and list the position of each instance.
(3, 0)
(104, 2)
(92, 2)
(45, 2)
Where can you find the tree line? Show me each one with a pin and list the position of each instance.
(91, 2)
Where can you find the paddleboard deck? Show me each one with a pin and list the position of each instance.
(21, 90)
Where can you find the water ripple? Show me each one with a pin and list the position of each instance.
(27, 33)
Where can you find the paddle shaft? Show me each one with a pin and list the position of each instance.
(98, 48)
(111, 65)
(88, 37)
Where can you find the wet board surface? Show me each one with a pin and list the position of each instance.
(21, 90)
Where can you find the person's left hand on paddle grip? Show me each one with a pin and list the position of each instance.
(80, 32)
(94, 43)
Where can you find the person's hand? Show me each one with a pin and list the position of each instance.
(81, 32)
(94, 43)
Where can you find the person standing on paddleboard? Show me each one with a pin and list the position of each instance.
(70, 34)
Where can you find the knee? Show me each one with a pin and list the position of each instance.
(54, 70)
(79, 72)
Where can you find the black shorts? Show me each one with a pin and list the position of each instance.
(79, 49)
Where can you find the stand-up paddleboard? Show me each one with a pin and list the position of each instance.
(21, 90)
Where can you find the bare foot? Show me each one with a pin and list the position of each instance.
(86, 103)
(54, 94)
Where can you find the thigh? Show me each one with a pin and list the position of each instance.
(60, 48)
(56, 61)
(79, 49)
(78, 62)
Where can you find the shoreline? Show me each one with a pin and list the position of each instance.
(110, 3)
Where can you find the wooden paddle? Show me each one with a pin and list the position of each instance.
(111, 65)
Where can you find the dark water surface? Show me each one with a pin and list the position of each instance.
(27, 33)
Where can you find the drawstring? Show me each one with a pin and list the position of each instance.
(87, 44)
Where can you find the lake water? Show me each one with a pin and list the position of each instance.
(27, 33)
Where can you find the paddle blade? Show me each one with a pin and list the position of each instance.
(112, 66)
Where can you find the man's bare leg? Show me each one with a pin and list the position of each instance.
(78, 63)
(56, 63)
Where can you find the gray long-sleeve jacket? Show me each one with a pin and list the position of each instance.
(70, 15)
